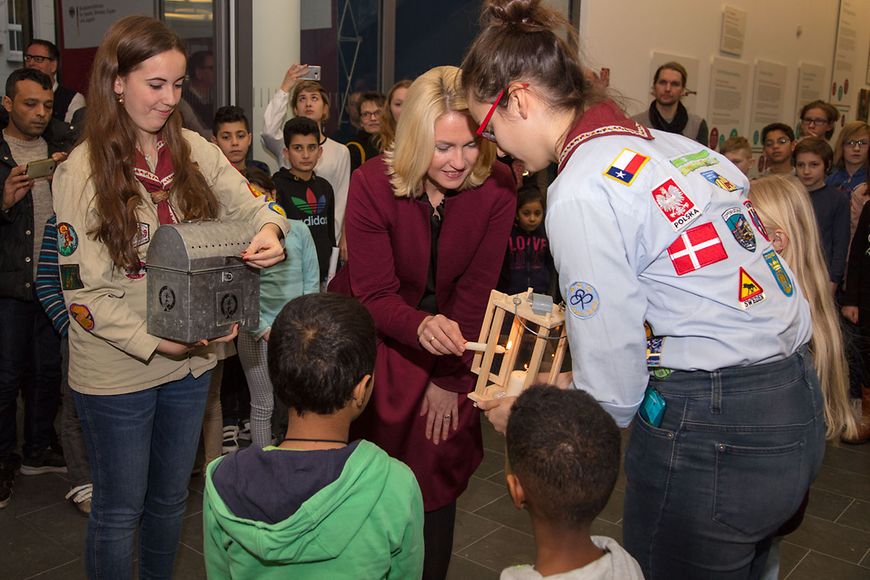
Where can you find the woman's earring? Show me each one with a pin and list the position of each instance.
(120, 98)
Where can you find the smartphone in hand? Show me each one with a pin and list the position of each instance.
(41, 168)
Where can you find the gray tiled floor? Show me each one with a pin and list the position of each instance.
(41, 535)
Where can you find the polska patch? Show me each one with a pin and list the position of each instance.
(718, 180)
(67, 239)
(755, 219)
(676, 206)
(143, 234)
(583, 300)
(626, 166)
(82, 315)
(739, 227)
(694, 161)
(750, 292)
(70, 277)
(696, 248)
(779, 273)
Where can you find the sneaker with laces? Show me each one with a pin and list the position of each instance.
(245, 430)
(80, 496)
(47, 461)
(7, 480)
(231, 439)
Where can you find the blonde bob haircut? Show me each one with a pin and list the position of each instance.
(783, 204)
(433, 94)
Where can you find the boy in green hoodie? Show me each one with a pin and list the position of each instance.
(315, 506)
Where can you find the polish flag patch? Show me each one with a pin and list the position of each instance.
(675, 204)
(696, 248)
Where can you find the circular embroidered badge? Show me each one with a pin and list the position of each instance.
(583, 300)
(67, 239)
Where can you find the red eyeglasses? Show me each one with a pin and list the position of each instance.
(481, 130)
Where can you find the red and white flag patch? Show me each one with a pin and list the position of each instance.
(675, 204)
(696, 248)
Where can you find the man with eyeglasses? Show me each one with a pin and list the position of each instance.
(778, 142)
(44, 56)
(364, 145)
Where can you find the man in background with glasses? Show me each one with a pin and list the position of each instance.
(44, 56)
(778, 142)
(363, 146)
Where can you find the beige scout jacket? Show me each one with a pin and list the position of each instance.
(111, 351)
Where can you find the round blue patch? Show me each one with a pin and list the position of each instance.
(583, 301)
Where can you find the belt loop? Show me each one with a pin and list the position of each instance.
(716, 392)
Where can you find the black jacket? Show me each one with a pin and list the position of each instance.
(16, 233)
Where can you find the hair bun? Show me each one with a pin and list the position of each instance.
(527, 15)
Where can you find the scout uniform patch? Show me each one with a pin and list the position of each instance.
(654, 351)
(135, 273)
(143, 235)
(277, 209)
(718, 180)
(70, 277)
(739, 227)
(67, 239)
(676, 206)
(696, 248)
(755, 219)
(626, 166)
(750, 292)
(694, 161)
(779, 273)
(583, 300)
(82, 315)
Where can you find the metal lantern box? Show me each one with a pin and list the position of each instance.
(525, 342)
(198, 285)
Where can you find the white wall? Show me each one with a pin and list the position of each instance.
(276, 37)
(623, 34)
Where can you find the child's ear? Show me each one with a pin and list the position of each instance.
(780, 240)
(362, 391)
(214, 139)
(515, 488)
(286, 153)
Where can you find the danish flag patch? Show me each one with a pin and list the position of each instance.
(696, 248)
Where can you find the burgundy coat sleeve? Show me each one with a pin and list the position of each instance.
(470, 295)
(371, 268)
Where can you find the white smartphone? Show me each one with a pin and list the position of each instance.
(313, 73)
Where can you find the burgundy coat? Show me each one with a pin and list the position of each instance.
(389, 243)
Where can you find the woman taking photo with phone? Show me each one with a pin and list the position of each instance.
(140, 398)
(650, 226)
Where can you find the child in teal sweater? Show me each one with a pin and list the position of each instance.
(317, 505)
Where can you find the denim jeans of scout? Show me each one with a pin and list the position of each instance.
(735, 453)
(141, 448)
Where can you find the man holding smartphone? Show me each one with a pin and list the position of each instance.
(27, 338)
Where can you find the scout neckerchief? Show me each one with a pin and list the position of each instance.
(159, 182)
(599, 120)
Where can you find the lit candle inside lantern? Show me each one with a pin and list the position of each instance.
(515, 383)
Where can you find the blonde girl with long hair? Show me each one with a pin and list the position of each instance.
(787, 212)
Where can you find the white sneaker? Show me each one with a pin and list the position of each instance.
(231, 439)
(245, 430)
(80, 496)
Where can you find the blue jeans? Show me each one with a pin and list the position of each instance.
(30, 361)
(735, 453)
(141, 448)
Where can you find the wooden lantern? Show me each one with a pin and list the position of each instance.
(523, 339)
